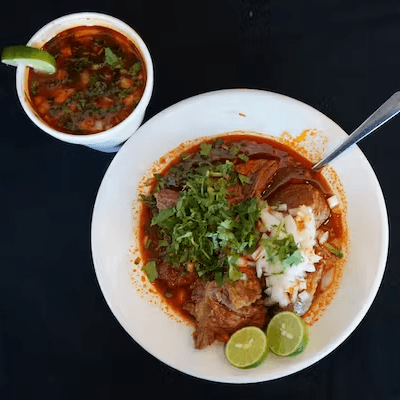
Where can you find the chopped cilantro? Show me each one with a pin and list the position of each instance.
(202, 225)
(205, 149)
(125, 92)
(111, 59)
(334, 251)
(235, 149)
(133, 71)
(34, 88)
(244, 179)
(147, 242)
(66, 109)
(185, 156)
(243, 157)
(233, 272)
(151, 271)
(219, 142)
(281, 247)
(163, 217)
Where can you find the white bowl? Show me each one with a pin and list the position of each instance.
(205, 115)
(111, 139)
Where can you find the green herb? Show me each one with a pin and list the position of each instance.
(233, 272)
(147, 242)
(163, 243)
(163, 217)
(218, 142)
(185, 156)
(235, 149)
(244, 179)
(202, 226)
(111, 59)
(276, 205)
(151, 271)
(78, 64)
(135, 69)
(145, 199)
(205, 149)
(168, 294)
(66, 110)
(281, 247)
(334, 251)
(125, 92)
(243, 157)
(34, 88)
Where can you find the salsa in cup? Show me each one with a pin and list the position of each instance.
(99, 80)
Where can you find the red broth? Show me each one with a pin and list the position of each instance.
(99, 80)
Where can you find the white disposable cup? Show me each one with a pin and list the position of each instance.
(111, 139)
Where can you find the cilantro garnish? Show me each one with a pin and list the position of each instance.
(124, 92)
(34, 88)
(133, 71)
(281, 247)
(204, 229)
(334, 251)
(235, 149)
(185, 156)
(111, 59)
(151, 271)
(205, 149)
(243, 157)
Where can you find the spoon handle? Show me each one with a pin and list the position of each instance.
(389, 109)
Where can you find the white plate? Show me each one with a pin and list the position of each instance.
(206, 115)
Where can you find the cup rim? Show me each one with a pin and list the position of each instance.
(75, 19)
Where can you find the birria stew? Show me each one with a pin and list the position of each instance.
(99, 80)
(237, 229)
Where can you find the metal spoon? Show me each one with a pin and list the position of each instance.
(389, 109)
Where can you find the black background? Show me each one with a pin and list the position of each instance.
(58, 338)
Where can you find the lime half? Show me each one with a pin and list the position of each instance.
(287, 334)
(247, 347)
(30, 57)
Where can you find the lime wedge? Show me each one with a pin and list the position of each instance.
(30, 57)
(247, 347)
(287, 334)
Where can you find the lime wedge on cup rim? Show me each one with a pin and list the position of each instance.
(30, 57)
(247, 347)
(287, 334)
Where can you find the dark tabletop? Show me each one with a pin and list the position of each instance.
(58, 338)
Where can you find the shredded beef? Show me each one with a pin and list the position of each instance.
(166, 198)
(219, 311)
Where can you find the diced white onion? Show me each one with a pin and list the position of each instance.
(282, 207)
(333, 201)
(304, 296)
(269, 219)
(257, 254)
(98, 125)
(294, 294)
(327, 279)
(324, 237)
(259, 270)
